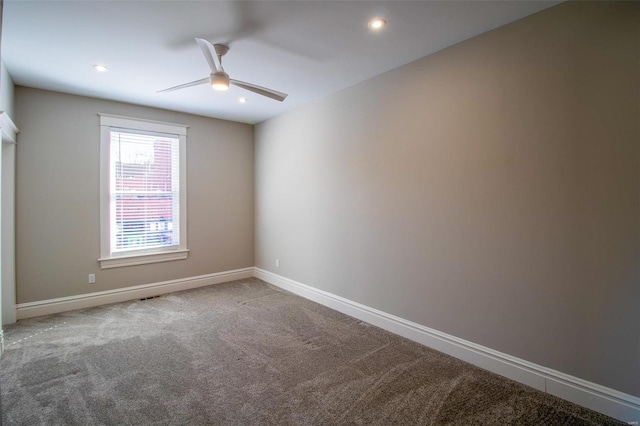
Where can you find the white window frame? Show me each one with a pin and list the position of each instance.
(139, 257)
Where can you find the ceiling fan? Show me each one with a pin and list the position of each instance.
(219, 79)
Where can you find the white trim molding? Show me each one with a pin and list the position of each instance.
(142, 124)
(605, 400)
(8, 128)
(9, 135)
(110, 257)
(141, 259)
(88, 300)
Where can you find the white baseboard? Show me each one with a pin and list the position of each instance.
(64, 304)
(9, 313)
(605, 400)
(608, 401)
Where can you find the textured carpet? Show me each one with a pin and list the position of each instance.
(246, 353)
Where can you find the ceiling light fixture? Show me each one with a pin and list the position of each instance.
(220, 81)
(377, 23)
(242, 100)
(100, 68)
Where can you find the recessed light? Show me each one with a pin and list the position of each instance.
(100, 68)
(377, 23)
(242, 100)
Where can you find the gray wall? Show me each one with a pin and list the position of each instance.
(489, 191)
(58, 221)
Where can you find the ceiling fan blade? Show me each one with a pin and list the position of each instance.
(182, 86)
(209, 53)
(273, 94)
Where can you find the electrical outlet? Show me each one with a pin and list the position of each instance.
(92, 278)
(277, 263)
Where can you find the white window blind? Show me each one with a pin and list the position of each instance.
(144, 190)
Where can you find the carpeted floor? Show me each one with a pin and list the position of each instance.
(246, 353)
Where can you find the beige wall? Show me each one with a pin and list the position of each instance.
(490, 191)
(57, 204)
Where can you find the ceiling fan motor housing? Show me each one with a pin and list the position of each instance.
(221, 49)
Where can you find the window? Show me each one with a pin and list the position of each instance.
(142, 191)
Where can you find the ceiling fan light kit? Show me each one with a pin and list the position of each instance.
(219, 79)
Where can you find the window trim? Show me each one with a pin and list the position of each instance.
(139, 257)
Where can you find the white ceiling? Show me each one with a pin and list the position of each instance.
(307, 49)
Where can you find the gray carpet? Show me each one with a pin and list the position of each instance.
(246, 353)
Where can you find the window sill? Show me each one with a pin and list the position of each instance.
(141, 259)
